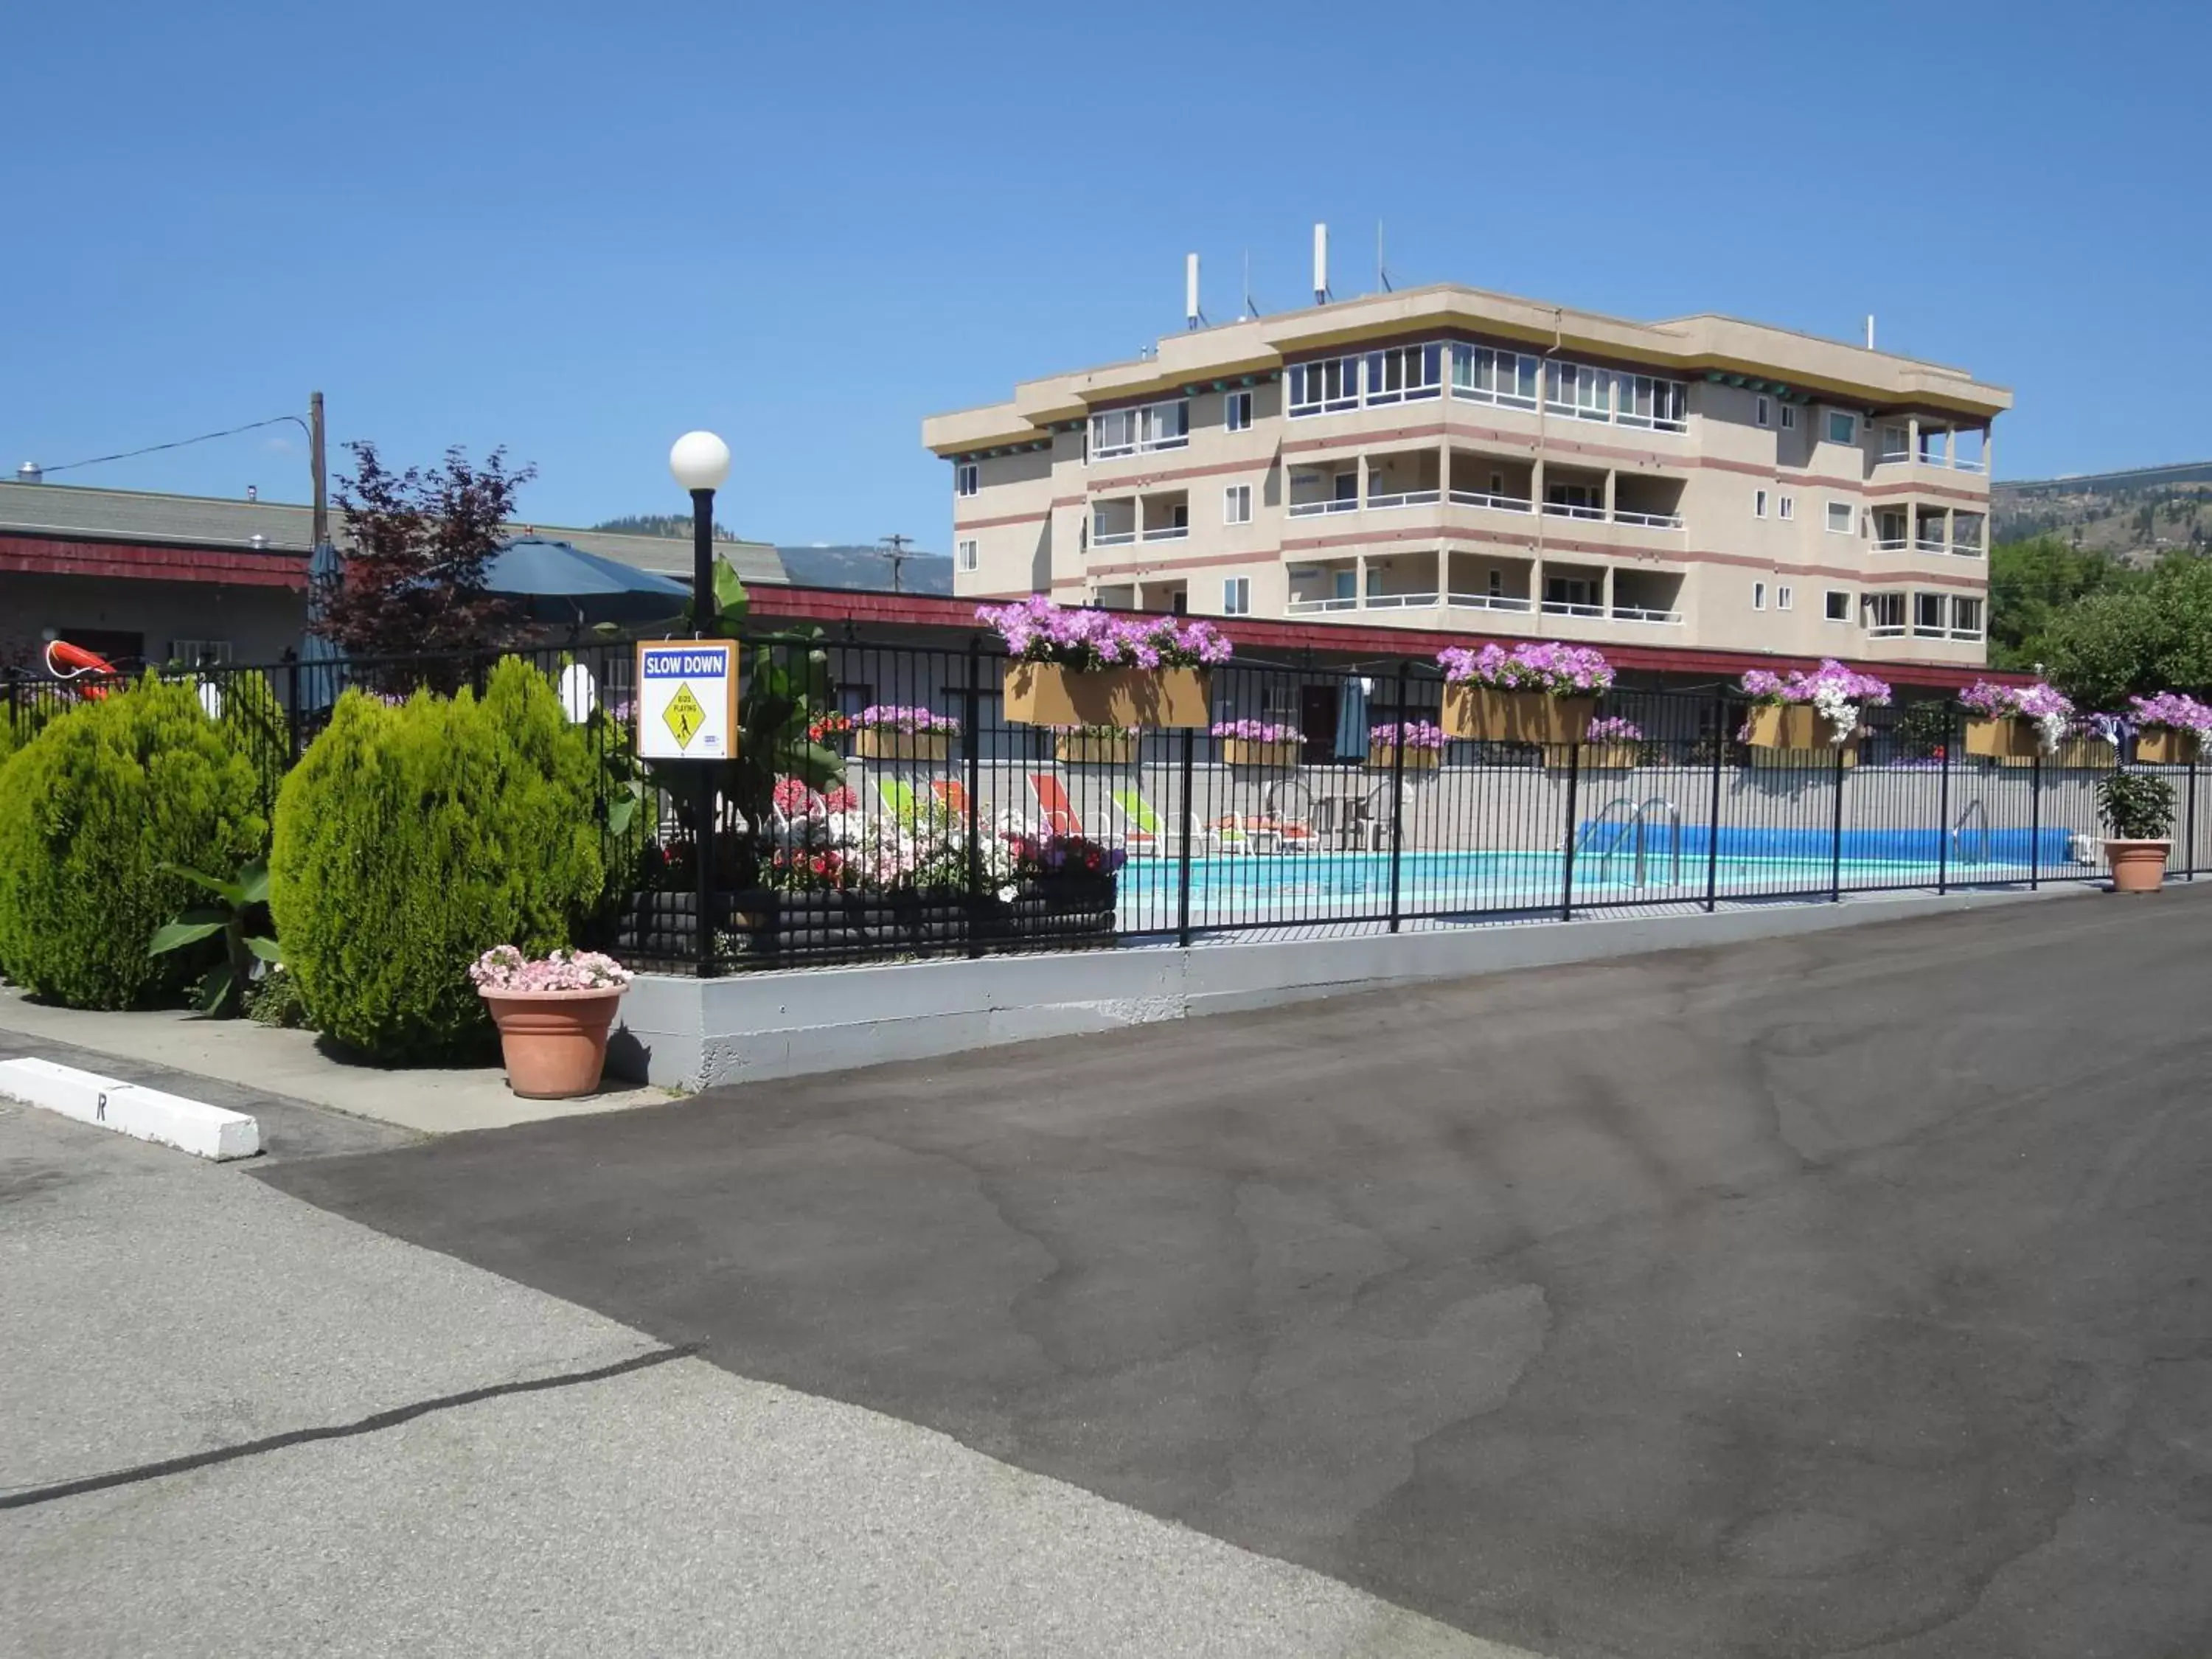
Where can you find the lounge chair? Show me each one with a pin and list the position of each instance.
(1143, 824)
(1052, 801)
(952, 795)
(898, 797)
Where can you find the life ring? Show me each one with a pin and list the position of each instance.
(65, 661)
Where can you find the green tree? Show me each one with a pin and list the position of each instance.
(2149, 636)
(2031, 583)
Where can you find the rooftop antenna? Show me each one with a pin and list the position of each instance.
(1382, 271)
(1322, 295)
(1191, 316)
(1869, 330)
(1251, 307)
(895, 550)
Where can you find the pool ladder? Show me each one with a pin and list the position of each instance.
(1634, 825)
(1977, 814)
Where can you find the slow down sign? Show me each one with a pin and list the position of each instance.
(687, 699)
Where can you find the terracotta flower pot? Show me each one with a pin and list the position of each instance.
(2138, 866)
(554, 1042)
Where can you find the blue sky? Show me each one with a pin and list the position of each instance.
(579, 230)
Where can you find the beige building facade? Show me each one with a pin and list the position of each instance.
(1447, 458)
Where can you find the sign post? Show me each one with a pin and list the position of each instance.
(687, 710)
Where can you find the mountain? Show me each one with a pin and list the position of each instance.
(865, 567)
(676, 525)
(2133, 516)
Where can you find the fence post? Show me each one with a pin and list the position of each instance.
(1836, 835)
(971, 704)
(292, 706)
(1943, 804)
(1182, 857)
(1398, 799)
(1713, 819)
(2188, 821)
(1567, 861)
(2035, 822)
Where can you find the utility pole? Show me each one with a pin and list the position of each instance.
(315, 462)
(895, 550)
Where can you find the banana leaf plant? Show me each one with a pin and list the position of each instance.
(244, 907)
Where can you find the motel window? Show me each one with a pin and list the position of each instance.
(1132, 431)
(1403, 374)
(1927, 613)
(967, 478)
(1759, 410)
(1757, 503)
(966, 551)
(199, 651)
(1236, 504)
(1785, 597)
(1237, 596)
(1788, 417)
(1840, 516)
(1788, 507)
(1325, 386)
(1237, 415)
(1965, 618)
(1843, 428)
(1884, 613)
(1758, 596)
(1839, 605)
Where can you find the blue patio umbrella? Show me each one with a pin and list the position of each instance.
(553, 581)
(323, 662)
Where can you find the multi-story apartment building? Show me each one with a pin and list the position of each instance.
(1445, 457)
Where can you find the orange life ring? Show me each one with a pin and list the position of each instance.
(68, 662)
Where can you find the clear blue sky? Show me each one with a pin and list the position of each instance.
(579, 230)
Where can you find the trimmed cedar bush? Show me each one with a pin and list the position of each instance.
(89, 810)
(410, 839)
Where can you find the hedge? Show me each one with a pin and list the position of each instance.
(89, 809)
(410, 840)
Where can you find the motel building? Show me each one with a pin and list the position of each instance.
(1410, 470)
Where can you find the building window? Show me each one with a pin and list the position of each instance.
(1757, 503)
(1237, 596)
(1494, 377)
(1236, 504)
(1497, 483)
(1758, 596)
(1404, 373)
(1133, 431)
(967, 555)
(1788, 417)
(1843, 428)
(1966, 619)
(1884, 613)
(1841, 516)
(1759, 410)
(1497, 583)
(1927, 614)
(1785, 597)
(967, 478)
(1323, 387)
(199, 651)
(1237, 411)
(1788, 507)
(1839, 605)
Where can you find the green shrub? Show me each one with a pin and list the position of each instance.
(410, 839)
(90, 809)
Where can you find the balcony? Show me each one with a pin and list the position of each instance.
(1411, 601)
(1322, 607)
(1487, 602)
(1315, 509)
(1574, 510)
(1648, 520)
(1405, 498)
(1167, 533)
(1494, 503)
(1638, 613)
(1112, 538)
(1952, 449)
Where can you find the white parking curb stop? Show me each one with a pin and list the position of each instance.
(132, 1109)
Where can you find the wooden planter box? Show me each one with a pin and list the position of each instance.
(1381, 757)
(1484, 711)
(1793, 734)
(1162, 699)
(2086, 754)
(2162, 746)
(1091, 748)
(873, 743)
(1610, 756)
(1247, 751)
(2008, 739)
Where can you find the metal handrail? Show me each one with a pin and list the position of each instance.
(1674, 832)
(1975, 810)
(1635, 825)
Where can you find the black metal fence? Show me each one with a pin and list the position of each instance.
(833, 839)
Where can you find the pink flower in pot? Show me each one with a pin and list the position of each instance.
(553, 1013)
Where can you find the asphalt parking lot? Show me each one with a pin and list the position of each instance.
(1836, 1295)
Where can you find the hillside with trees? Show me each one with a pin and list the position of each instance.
(2134, 516)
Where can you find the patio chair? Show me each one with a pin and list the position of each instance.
(952, 795)
(1142, 824)
(898, 799)
(1052, 801)
(1293, 828)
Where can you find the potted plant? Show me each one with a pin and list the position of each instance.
(1798, 712)
(1096, 668)
(2016, 722)
(553, 1013)
(2137, 807)
(1613, 745)
(1423, 744)
(1095, 745)
(1539, 694)
(1258, 743)
(2170, 729)
(893, 732)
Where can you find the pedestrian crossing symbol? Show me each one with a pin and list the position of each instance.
(684, 716)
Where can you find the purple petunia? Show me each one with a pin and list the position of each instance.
(1414, 734)
(1563, 671)
(1037, 630)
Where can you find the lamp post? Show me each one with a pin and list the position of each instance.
(700, 463)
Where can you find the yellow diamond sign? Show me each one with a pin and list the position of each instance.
(684, 715)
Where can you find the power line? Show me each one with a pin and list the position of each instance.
(205, 437)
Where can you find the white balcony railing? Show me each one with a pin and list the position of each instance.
(1567, 608)
(1640, 613)
(1112, 538)
(1406, 498)
(1568, 510)
(1929, 544)
(1650, 520)
(1399, 601)
(1314, 607)
(1892, 544)
(1487, 602)
(1887, 631)
(1931, 457)
(1168, 533)
(1315, 509)
(1495, 503)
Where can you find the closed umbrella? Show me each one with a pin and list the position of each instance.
(322, 661)
(1352, 720)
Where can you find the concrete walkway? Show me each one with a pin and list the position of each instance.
(1843, 1294)
(232, 1425)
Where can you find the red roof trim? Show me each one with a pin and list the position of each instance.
(43, 556)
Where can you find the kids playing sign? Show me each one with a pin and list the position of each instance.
(687, 700)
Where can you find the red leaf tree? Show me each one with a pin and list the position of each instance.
(417, 544)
